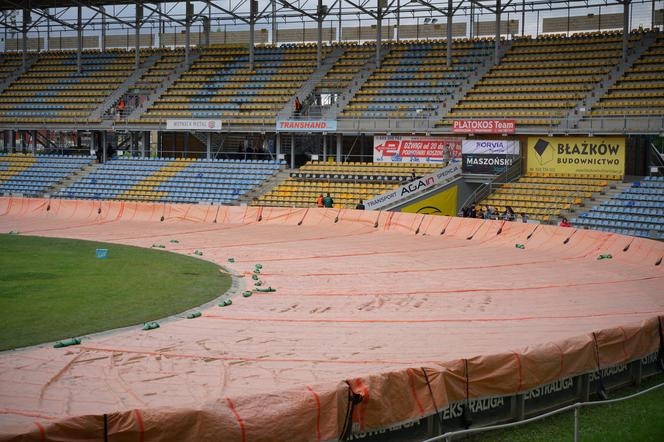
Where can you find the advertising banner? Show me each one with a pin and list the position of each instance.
(578, 155)
(489, 156)
(442, 203)
(447, 173)
(306, 125)
(413, 149)
(484, 126)
(197, 124)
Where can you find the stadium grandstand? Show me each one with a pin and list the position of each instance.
(481, 175)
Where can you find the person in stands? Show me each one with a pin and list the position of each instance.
(360, 205)
(328, 201)
(472, 212)
(121, 106)
(413, 177)
(509, 215)
(319, 200)
(565, 223)
(524, 217)
(298, 106)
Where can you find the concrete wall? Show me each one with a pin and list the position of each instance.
(437, 30)
(16, 44)
(71, 42)
(488, 28)
(300, 35)
(590, 22)
(128, 41)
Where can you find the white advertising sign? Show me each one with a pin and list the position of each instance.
(197, 124)
(446, 174)
(490, 147)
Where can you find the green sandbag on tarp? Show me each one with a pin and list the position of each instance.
(607, 256)
(266, 289)
(67, 343)
(226, 303)
(193, 315)
(150, 326)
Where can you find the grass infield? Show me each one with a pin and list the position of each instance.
(52, 288)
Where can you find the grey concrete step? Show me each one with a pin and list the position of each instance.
(30, 60)
(170, 80)
(122, 89)
(355, 85)
(578, 114)
(488, 63)
(266, 186)
(308, 86)
(71, 179)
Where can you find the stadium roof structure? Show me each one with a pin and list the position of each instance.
(249, 12)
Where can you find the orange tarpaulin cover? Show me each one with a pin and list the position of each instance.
(368, 301)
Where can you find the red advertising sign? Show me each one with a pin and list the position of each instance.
(307, 125)
(413, 149)
(484, 126)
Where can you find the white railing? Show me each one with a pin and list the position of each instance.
(447, 437)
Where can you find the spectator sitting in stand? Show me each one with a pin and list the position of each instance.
(508, 215)
(524, 217)
(565, 223)
(469, 211)
(360, 205)
(319, 200)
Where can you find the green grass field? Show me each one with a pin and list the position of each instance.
(635, 420)
(54, 288)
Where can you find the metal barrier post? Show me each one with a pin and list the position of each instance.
(576, 423)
